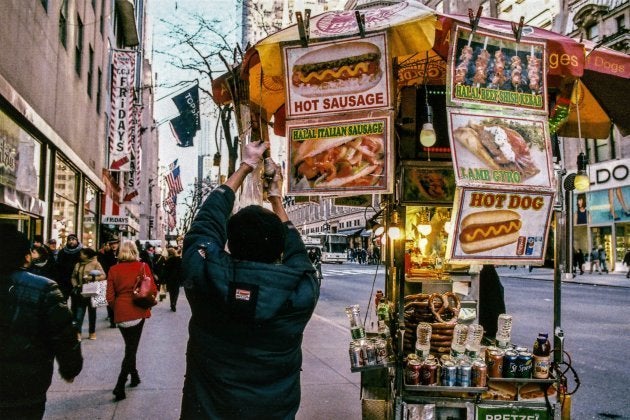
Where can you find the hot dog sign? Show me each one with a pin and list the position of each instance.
(337, 76)
(500, 226)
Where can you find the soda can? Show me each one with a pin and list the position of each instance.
(520, 349)
(479, 374)
(428, 373)
(381, 351)
(371, 352)
(464, 371)
(524, 364)
(449, 373)
(356, 359)
(412, 373)
(510, 364)
(446, 358)
(494, 363)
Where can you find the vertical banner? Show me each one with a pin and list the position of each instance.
(121, 116)
(132, 178)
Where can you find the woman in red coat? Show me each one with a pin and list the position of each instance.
(128, 317)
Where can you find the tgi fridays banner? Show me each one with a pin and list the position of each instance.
(497, 148)
(492, 69)
(500, 226)
(349, 154)
(121, 130)
(132, 178)
(337, 76)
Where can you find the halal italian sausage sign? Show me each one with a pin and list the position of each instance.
(335, 77)
(494, 69)
(491, 148)
(340, 156)
(500, 226)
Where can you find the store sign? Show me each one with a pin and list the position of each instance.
(500, 226)
(340, 76)
(122, 221)
(511, 412)
(495, 70)
(609, 174)
(121, 127)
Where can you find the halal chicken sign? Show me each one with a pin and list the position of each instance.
(494, 69)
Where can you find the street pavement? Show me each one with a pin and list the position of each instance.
(329, 388)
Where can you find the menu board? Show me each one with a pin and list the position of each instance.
(493, 69)
(500, 226)
(349, 153)
(494, 148)
(337, 76)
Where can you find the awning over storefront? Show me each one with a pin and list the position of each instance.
(22, 201)
(354, 232)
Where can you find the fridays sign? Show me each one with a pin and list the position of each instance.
(121, 130)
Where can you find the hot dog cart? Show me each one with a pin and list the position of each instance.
(453, 122)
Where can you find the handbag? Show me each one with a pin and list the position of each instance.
(90, 289)
(144, 290)
(99, 299)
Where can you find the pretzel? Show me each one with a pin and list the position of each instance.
(441, 314)
(452, 300)
(437, 312)
(419, 296)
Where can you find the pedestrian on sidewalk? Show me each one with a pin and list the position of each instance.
(128, 317)
(66, 259)
(491, 300)
(108, 257)
(249, 306)
(578, 261)
(626, 261)
(172, 274)
(35, 330)
(80, 304)
(595, 260)
(602, 260)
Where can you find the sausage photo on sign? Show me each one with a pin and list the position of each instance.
(350, 161)
(350, 67)
(498, 146)
(489, 229)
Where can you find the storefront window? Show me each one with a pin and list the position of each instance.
(65, 202)
(90, 210)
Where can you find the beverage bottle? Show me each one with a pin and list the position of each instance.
(357, 329)
(473, 340)
(377, 299)
(458, 345)
(382, 310)
(423, 340)
(504, 331)
(542, 356)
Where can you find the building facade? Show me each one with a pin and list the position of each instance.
(54, 114)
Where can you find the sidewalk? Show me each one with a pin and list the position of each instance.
(329, 389)
(613, 279)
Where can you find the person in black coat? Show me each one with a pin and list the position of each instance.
(66, 260)
(43, 263)
(35, 330)
(172, 275)
(491, 300)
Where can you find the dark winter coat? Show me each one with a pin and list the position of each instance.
(35, 329)
(172, 272)
(244, 352)
(66, 260)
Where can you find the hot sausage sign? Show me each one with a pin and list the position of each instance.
(340, 76)
(500, 226)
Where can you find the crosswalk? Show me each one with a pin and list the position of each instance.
(349, 270)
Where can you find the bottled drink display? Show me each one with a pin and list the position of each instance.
(504, 330)
(542, 356)
(423, 340)
(458, 345)
(356, 325)
(473, 340)
(382, 310)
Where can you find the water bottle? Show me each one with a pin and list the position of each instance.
(423, 340)
(504, 331)
(458, 345)
(473, 340)
(357, 329)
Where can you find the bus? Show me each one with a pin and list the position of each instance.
(332, 245)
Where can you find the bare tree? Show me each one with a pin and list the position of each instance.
(193, 202)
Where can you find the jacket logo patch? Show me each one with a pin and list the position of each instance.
(242, 294)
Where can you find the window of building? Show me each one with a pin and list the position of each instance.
(99, 83)
(621, 23)
(63, 25)
(592, 32)
(79, 46)
(90, 212)
(90, 71)
(65, 201)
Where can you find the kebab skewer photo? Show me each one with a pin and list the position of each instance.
(517, 71)
(464, 63)
(533, 71)
(499, 77)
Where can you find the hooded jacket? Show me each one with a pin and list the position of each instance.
(244, 352)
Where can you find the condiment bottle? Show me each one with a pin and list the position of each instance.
(542, 356)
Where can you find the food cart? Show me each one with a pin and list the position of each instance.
(453, 121)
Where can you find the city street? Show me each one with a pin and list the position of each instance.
(593, 320)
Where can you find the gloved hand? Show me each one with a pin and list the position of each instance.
(252, 153)
(274, 188)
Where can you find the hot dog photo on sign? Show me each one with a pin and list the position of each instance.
(501, 225)
(337, 76)
(493, 149)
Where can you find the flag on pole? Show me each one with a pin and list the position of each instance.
(183, 131)
(174, 182)
(170, 204)
(172, 165)
(188, 122)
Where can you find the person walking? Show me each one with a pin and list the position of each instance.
(87, 264)
(602, 260)
(108, 257)
(595, 260)
(172, 274)
(43, 263)
(35, 331)
(626, 261)
(491, 300)
(128, 317)
(249, 306)
(66, 260)
(578, 260)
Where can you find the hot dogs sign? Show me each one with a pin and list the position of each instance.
(337, 76)
(501, 226)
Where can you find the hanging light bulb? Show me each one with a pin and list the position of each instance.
(427, 134)
(424, 225)
(394, 231)
(581, 181)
